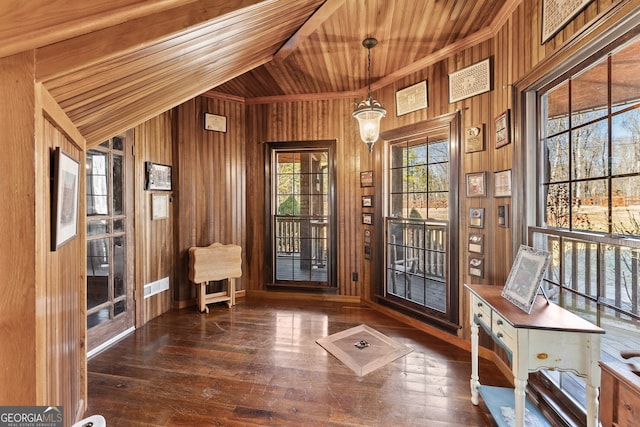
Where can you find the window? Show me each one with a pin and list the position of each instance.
(589, 198)
(422, 224)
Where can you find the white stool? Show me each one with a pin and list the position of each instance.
(92, 421)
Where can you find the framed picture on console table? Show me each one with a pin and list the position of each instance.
(525, 276)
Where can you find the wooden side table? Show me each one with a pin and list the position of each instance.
(550, 337)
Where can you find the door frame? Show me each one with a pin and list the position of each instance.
(269, 272)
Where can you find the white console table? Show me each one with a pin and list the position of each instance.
(548, 338)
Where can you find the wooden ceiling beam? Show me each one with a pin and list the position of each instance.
(27, 25)
(309, 27)
(102, 44)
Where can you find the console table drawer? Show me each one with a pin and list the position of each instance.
(503, 331)
(482, 311)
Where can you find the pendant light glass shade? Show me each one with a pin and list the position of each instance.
(369, 111)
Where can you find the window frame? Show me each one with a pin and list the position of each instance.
(606, 35)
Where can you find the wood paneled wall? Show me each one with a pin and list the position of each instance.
(209, 170)
(42, 316)
(154, 255)
(309, 121)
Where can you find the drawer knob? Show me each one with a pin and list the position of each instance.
(479, 314)
(499, 335)
(479, 304)
(499, 322)
(542, 356)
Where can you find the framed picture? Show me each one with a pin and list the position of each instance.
(474, 138)
(557, 13)
(502, 130)
(502, 183)
(215, 122)
(411, 98)
(367, 201)
(64, 201)
(472, 80)
(476, 243)
(159, 206)
(503, 216)
(157, 177)
(525, 276)
(476, 267)
(476, 184)
(476, 217)
(367, 218)
(366, 179)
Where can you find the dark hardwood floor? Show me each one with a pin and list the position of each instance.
(258, 364)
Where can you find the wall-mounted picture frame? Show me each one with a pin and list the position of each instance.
(502, 183)
(157, 177)
(64, 198)
(470, 81)
(474, 138)
(476, 243)
(476, 267)
(367, 201)
(557, 13)
(503, 216)
(366, 179)
(476, 184)
(215, 122)
(503, 135)
(367, 218)
(412, 98)
(525, 276)
(159, 206)
(476, 217)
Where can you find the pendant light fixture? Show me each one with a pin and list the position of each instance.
(369, 111)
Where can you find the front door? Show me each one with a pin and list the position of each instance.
(110, 303)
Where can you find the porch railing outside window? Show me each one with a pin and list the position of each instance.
(595, 277)
(417, 262)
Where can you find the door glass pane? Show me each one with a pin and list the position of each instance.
(97, 318)
(96, 165)
(301, 216)
(118, 266)
(98, 261)
(95, 228)
(118, 191)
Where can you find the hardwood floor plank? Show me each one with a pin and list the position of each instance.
(258, 364)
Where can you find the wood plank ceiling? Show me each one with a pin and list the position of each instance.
(114, 64)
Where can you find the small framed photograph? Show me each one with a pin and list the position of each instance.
(366, 179)
(367, 218)
(502, 183)
(476, 243)
(476, 186)
(503, 216)
(525, 276)
(215, 122)
(159, 206)
(411, 98)
(476, 217)
(64, 201)
(476, 266)
(503, 136)
(474, 138)
(157, 177)
(367, 201)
